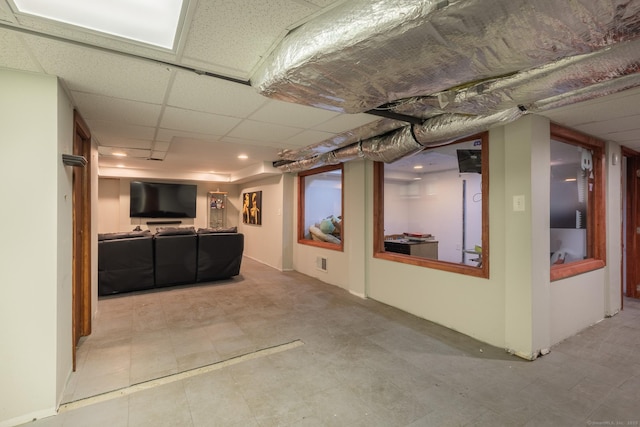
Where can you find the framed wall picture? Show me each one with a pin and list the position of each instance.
(252, 207)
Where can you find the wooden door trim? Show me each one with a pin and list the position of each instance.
(81, 286)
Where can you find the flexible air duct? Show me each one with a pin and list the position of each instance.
(367, 53)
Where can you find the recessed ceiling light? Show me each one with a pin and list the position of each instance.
(119, 154)
(153, 22)
(570, 180)
(243, 156)
(417, 167)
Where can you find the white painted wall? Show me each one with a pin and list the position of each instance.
(517, 307)
(264, 242)
(35, 310)
(64, 307)
(471, 305)
(109, 205)
(347, 268)
(576, 303)
(580, 301)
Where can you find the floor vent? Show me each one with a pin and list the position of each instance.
(321, 263)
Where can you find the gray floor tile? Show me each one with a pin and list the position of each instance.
(361, 363)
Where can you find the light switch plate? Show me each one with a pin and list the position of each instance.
(518, 203)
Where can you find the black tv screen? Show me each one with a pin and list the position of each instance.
(162, 200)
(470, 161)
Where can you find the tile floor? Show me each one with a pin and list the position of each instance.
(362, 363)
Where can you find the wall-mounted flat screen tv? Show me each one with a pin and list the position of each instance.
(162, 200)
(469, 161)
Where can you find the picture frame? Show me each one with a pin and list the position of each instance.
(252, 208)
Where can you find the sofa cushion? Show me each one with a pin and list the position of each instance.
(219, 255)
(217, 230)
(123, 235)
(174, 231)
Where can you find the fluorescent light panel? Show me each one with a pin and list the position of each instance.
(153, 22)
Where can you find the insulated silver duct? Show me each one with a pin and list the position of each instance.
(595, 91)
(462, 66)
(343, 139)
(408, 140)
(367, 53)
(447, 128)
(560, 77)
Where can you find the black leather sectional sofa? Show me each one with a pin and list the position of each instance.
(139, 260)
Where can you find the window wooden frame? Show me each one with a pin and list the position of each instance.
(596, 216)
(378, 221)
(301, 208)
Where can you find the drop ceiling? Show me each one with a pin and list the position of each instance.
(189, 112)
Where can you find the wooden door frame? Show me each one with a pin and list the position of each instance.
(632, 249)
(81, 267)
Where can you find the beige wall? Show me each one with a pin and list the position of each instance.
(517, 308)
(35, 310)
(265, 243)
(113, 206)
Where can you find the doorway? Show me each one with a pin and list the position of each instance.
(81, 263)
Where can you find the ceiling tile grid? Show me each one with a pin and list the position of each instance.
(294, 115)
(213, 95)
(105, 108)
(197, 121)
(94, 71)
(263, 131)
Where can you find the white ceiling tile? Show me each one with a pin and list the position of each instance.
(161, 145)
(261, 131)
(120, 130)
(119, 141)
(100, 107)
(196, 121)
(158, 155)
(142, 144)
(212, 95)
(345, 122)
(13, 53)
(613, 125)
(130, 152)
(168, 135)
(294, 115)
(308, 137)
(218, 36)
(102, 73)
(196, 156)
(5, 13)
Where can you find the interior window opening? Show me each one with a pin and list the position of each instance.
(433, 207)
(576, 218)
(572, 182)
(320, 220)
